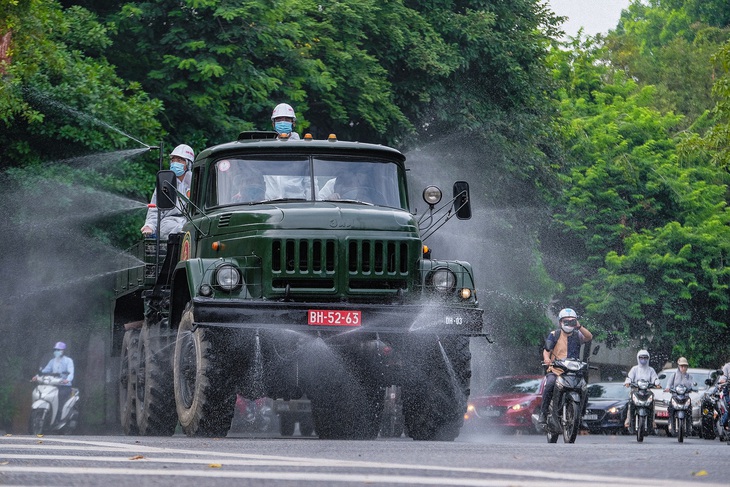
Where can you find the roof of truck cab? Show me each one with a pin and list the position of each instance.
(302, 146)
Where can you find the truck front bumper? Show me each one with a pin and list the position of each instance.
(373, 318)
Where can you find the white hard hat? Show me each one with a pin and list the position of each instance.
(184, 151)
(283, 110)
(567, 313)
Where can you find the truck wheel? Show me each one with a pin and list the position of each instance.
(204, 392)
(436, 388)
(127, 382)
(155, 402)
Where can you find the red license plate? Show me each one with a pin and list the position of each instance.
(662, 414)
(334, 317)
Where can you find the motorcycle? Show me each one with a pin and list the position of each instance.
(569, 398)
(642, 399)
(44, 417)
(712, 410)
(682, 405)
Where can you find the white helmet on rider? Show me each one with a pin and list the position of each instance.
(283, 110)
(184, 151)
(571, 320)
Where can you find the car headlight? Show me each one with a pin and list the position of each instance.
(443, 280)
(613, 410)
(228, 277)
(522, 405)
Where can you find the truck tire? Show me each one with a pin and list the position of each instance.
(155, 402)
(204, 391)
(436, 388)
(127, 383)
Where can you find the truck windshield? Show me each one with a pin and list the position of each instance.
(294, 178)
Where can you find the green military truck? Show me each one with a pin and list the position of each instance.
(301, 272)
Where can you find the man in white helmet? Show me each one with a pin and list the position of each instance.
(283, 120)
(642, 371)
(172, 220)
(64, 366)
(560, 344)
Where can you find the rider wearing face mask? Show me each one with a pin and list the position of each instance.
(642, 371)
(283, 120)
(60, 364)
(172, 220)
(561, 344)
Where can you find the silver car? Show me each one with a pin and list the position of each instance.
(661, 398)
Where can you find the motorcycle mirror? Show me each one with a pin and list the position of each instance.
(595, 350)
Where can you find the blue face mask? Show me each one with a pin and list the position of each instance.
(57, 353)
(178, 168)
(643, 361)
(283, 127)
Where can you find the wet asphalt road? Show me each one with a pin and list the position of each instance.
(528, 460)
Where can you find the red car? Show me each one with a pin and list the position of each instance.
(507, 404)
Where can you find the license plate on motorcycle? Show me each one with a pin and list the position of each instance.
(662, 414)
(334, 317)
(590, 417)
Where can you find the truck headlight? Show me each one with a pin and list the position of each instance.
(443, 280)
(228, 277)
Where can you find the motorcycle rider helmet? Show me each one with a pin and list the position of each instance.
(184, 151)
(283, 110)
(59, 346)
(569, 325)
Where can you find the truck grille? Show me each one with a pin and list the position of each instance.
(371, 264)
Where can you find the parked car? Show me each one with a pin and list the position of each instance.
(606, 408)
(661, 398)
(507, 404)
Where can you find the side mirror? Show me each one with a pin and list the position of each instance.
(596, 349)
(462, 202)
(709, 382)
(166, 190)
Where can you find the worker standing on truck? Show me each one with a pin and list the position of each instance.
(172, 220)
(283, 120)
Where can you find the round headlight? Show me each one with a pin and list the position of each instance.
(443, 280)
(432, 195)
(227, 277)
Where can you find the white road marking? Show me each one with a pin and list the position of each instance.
(533, 478)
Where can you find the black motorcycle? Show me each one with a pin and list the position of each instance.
(569, 397)
(712, 409)
(642, 399)
(682, 404)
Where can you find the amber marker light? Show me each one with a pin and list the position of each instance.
(216, 246)
(332, 138)
(308, 137)
(465, 293)
(425, 249)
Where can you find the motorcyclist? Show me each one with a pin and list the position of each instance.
(562, 343)
(63, 365)
(283, 120)
(172, 220)
(725, 394)
(680, 377)
(641, 371)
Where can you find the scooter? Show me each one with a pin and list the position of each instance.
(682, 405)
(566, 408)
(44, 412)
(642, 399)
